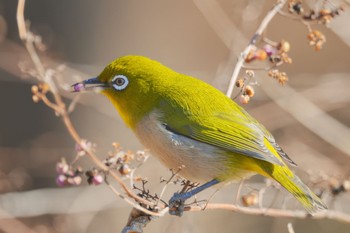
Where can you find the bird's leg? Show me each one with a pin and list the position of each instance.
(177, 201)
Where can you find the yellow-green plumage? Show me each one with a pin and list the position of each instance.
(185, 121)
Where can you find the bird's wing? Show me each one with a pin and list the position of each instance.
(236, 132)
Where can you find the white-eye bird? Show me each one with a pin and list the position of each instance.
(186, 122)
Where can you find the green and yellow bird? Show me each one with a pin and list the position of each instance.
(186, 122)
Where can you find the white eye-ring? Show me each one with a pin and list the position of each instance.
(120, 82)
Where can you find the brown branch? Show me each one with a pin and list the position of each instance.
(59, 106)
(329, 214)
(137, 221)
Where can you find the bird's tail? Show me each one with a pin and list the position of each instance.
(300, 191)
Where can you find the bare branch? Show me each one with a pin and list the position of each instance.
(43, 75)
(265, 22)
(278, 213)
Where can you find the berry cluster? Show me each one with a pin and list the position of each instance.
(275, 54)
(125, 162)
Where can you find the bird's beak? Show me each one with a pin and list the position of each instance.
(92, 84)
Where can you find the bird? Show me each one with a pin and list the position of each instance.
(188, 123)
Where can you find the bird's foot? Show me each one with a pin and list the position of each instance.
(177, 204)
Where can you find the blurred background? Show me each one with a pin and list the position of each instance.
(310, 117)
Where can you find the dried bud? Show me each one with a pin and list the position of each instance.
(239, 83)
(249, 90)
(335, 186)
(255, 53)
(250, 57)
(44, 87)
(326, 19)
(84, 145)
(281, 77)
(250, 199)
(346, 185)
(141, 155)
(128, 157)
(244, 99)
(334, 183)
(324, 12)
(116, 146)
(283, 46)
(250, 73)
(35, 98)
(35, 89)
(316, 39)
(275, 59)
(76, 180)
(260, 55)
(62, 167)
(295, 6)
(286, 59)
(124, 169)
(138, 179)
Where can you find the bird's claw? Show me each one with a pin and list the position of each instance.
(177, 204)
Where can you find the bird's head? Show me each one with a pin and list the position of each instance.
(133, 83)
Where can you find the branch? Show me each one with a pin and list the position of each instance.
(312, 117)
(28, 38)
(265, 22)
(136, 222)
(277, 213)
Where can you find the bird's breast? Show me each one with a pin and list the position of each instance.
(202, 162)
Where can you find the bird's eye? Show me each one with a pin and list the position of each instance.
(120, 82)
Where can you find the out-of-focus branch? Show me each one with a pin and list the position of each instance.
(312, 117)
(11, 224)
(28, 39)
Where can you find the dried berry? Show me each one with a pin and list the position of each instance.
(316, 39)
(244, 99)
(239, 83)
(250, 199)
(283, 46)
(249, 90)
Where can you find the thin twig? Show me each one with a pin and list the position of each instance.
(240, 187)
(72, 104)
(166, 184)
(138, 207)
(290, 228)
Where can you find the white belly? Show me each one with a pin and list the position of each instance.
(202, 162)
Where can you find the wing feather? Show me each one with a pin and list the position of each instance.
(235, 132)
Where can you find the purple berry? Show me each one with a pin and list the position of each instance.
(270, 50)
(78, 87)
(62, 168)
(61, 180)
(97, 180)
